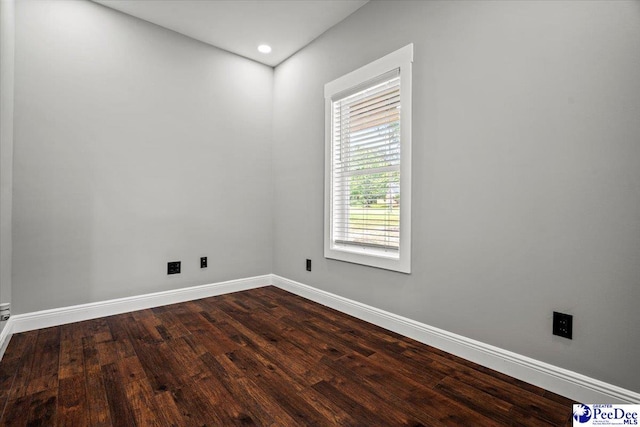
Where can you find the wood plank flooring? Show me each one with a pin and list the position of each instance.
(260, 357)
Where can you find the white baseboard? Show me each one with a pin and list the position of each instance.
(77, 313)
(558, 380)
(5, 336)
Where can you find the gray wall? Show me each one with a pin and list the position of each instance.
(7, 45)
(134, 146)
(526, 173)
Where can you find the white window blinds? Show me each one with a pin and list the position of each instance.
(365, 172)
(367, 188)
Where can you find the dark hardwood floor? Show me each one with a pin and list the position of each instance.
(259, 357)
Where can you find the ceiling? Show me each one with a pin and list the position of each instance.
(239, 26)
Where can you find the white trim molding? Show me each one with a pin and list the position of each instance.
(5, 336)
(558, 380)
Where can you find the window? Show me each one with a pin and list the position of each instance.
(368, 164)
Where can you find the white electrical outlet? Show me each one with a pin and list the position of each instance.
(5, 311)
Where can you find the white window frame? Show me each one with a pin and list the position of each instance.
(401, 59)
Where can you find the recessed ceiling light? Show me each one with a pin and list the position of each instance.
(264, 48)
